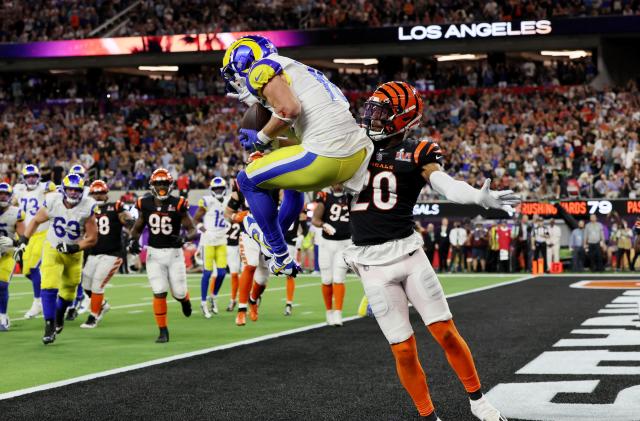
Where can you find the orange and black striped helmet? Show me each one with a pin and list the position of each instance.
(394, 107)
(98, 187)
(161, 183)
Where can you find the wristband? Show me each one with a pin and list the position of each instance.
(263, 138)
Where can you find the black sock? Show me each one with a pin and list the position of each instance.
(474, 396)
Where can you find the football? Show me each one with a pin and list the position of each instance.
(255, 118)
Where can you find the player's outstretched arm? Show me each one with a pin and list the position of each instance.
(90, 234)
(460, 192)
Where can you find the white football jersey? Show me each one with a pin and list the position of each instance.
(67, 224)
(214, 223)
(30, 201)
(8, 220)
(325, 125)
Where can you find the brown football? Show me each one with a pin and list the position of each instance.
(255, 118)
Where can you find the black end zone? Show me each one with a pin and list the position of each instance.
(332, 373)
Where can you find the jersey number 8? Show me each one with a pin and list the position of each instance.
(103, 225)
(160, 224)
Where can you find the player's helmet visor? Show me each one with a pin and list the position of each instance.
(376, 118)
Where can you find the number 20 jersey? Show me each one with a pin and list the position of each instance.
(109, 229)
(67, 224)
(383, 211)
(164, 221)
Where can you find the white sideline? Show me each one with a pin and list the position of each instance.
(53, 385)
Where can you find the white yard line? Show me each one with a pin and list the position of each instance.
(177, 357)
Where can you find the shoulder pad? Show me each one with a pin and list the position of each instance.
(261, 73)
(427, 152)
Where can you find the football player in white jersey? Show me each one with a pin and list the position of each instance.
(30, 196)
(11, 223)
(73, 229)
(212, 224)
(333, 149)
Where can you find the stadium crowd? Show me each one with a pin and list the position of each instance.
(25, 21)
(544, 143)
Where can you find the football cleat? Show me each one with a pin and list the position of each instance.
(253, 310)
(49, 332)
(284, 265)
(5, 323)
(484, 411)
(186, 307)
(205, 310)
(36, 309)
(213, 304)
(288, 309)
(252, 228)
(72, 313)
(103, 310)
(91, 323)
(163, 337)
(241, 318)
(329, 317)
(337, 317)
(232, 305)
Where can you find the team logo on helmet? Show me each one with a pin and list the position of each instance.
(6, 193)
(98, 188)
(241, 55)
(78, 170)
(218, 187)
(161, 183)
(394, 107)
(31, 176)
(72, 189)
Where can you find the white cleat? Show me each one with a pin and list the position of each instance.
(5, 323)
(232, 305)
(103, 310)
(213, 304)
(337, 317)
(35, 310)
(330, 317)
(484, 411)
(205, 310)
(84, 305)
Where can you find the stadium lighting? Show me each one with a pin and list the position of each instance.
(363, 61)
(158, 68)
(572, 54)
(456, 57)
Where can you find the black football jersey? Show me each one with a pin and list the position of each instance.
(383, 211)
(336, 214)
(164, 221)
(233, 234)
(292, 233)
(109, 229)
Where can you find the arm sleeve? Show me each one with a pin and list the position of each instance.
(454, 190)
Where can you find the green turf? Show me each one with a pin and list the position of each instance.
(126, 335)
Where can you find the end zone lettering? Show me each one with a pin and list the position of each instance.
(475, 30)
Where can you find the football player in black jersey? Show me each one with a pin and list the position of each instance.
(332, 216)
(165, 215)
(387, 253)
(105, 257)
(233, 260)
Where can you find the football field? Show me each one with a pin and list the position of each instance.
(126, 335)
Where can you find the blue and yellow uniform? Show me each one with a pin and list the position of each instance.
(333, 147)
(214, 238)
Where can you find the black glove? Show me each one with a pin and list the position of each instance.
(20, 246)
(134, 246)
(68, 248)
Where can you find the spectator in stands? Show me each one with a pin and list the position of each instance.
(636, 231)
(576, 245)
(521, 235)
(553, 243)
(457, 239)
(594, 243)
(443, 245)
(504, 246)
(429, 237)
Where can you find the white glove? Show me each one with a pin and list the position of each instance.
(330, 230)
(5, 242)
(503, 199)
(243, 94)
